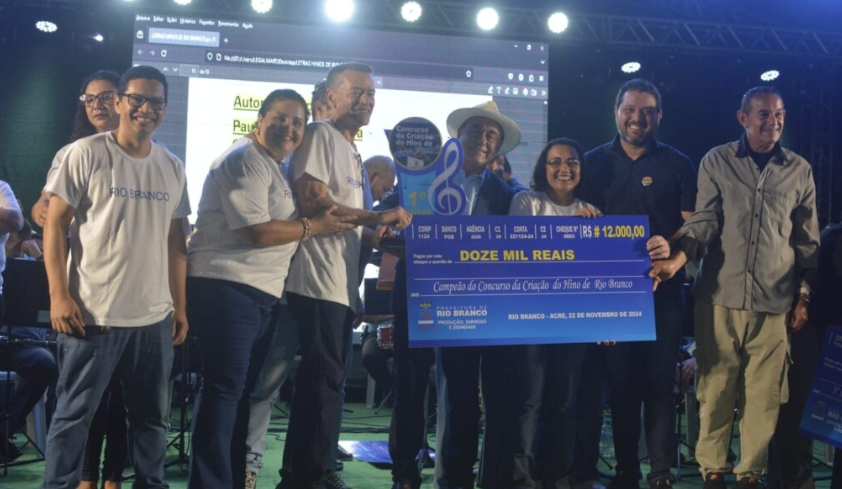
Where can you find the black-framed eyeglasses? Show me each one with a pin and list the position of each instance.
(139, 100)
(571, 163)
(89, 99)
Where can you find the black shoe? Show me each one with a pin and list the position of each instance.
(714, 480)
(331, 480)
(625, 480)
(342, 455)
(661, 484)
(748, 483)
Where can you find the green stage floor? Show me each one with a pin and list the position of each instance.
(361, 423)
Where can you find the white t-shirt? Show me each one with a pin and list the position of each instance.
(118, 269)
(51, 173)
(244, 187)
(7, 201)
(326, 266)
(537, 203)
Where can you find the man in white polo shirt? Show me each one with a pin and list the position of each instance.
(323, 276)
(119, 302)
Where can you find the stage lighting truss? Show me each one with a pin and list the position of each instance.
(261, 6)
(630, 67)
(339, 10)
(713, 26)
(558, 22)
(46, 26)
(411, 11)
(487, 18)
(770, 75)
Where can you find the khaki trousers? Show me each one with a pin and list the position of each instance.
(741, 359)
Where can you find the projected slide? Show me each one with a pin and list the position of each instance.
(221, 111)
(220, 70)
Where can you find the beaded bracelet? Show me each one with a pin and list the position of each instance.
(306, 223)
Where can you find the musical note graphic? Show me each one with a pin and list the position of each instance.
(445, 198)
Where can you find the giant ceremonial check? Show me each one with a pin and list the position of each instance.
(506, 280)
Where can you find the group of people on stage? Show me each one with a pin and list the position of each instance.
(284, 228)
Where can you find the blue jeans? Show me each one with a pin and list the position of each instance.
(266, 389)
(37, 370)
(142, 357)
(235, 324)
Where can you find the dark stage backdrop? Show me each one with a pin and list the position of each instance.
(40, 77)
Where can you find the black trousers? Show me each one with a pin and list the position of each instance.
(408, 431)
(589, 411)
(108, 425)
(643, 374)
(790, 454)
(460, 366)
(323, 329)
(520, 385)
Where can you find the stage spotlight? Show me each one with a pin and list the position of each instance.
(630, 67)
(46, 26)
(411, 11)
(183, 2)
(487, 19)
(261, 6)
(770, 75)
(98, 37)
(339, 10)
(558, 22)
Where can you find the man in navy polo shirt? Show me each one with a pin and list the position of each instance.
(635, 174)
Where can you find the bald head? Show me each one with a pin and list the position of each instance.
(381, 175)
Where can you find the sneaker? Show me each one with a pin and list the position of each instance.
(714, 480)
(251, 479)
(331, 480)
(625, 480)
(749, 482)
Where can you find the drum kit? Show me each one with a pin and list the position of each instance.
(385, 336)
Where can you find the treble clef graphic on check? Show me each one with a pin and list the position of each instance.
(445, 198)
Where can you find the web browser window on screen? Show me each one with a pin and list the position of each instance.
(220, 70)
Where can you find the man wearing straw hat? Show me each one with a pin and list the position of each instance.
(484, 133)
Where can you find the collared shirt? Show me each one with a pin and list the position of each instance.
(660, 184)
(759, 226)
(470, 185)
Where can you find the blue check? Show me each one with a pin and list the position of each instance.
(822, 416)
(508, 280)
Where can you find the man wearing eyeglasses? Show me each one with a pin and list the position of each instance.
(119, 305)
(636, 174)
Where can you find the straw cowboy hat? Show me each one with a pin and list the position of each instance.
(511, 133)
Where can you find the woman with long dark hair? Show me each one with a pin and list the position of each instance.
(95, 113)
